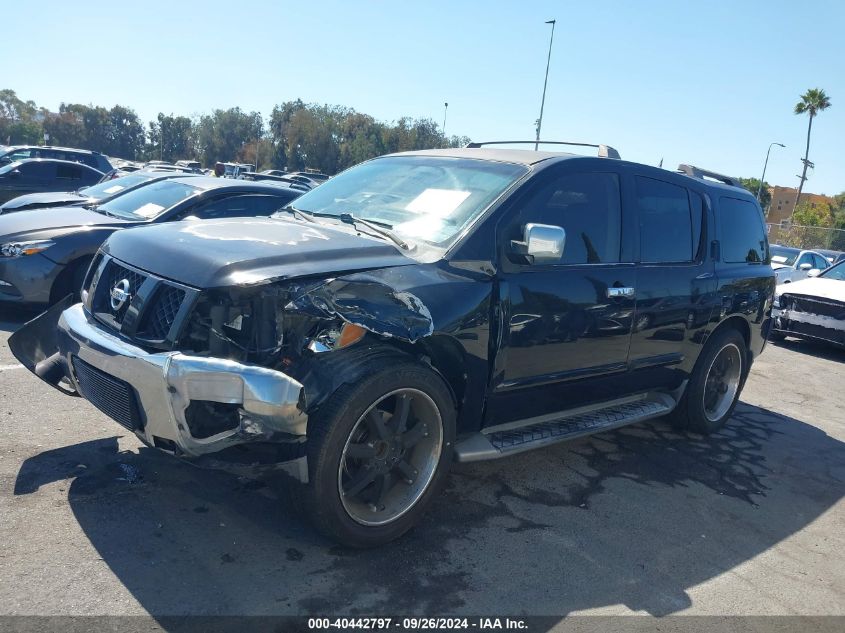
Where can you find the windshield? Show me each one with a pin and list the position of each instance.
(836, 271)
(148, 202)
(112, 187)
(422, 197)
(783, 256)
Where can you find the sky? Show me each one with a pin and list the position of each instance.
(706, 83)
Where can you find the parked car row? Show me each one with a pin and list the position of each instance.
(417, 309)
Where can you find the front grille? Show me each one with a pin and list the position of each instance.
(113, 274)
(815, 331)
(821, 307)
(160, 316)
(112, 396)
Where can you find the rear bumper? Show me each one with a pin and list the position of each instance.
(154, 390)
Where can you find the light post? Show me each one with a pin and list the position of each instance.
(766, 164)
(445, 110)
(545, 83)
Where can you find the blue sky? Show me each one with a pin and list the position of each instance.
(705, 83)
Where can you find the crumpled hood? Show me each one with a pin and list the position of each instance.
(235, 252)
(45, 199)
(59, 218)
(832, 289)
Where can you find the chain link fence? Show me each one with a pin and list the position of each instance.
(809, 237)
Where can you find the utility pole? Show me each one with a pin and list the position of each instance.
(445, 110)
(545, 83)
(763, 177)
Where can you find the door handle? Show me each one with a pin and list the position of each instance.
(616, 293)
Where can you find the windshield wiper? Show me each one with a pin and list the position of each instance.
(381, 228)
(305, 215)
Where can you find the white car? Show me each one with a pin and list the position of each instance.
(812, 308)
(791, 264)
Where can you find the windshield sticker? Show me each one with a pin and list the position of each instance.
(113, 189)
(778, 259)
(425, 228)
(149, 210)
(438, 202)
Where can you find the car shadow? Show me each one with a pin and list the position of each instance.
(819, 349)
(636, 517)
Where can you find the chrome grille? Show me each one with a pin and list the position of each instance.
(113, 274)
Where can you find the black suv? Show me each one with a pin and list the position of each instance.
(420, 308)
(19, 152)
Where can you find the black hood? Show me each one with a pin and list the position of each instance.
(44, 199)
(237, 252)
(59, 218)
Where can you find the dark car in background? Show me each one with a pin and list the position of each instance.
(85, 195)
(44, 253)
(93, 159)
(39, 175)
(419, 308)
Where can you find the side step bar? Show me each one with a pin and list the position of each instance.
(501, 443)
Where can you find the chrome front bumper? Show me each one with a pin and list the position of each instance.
(165, 383)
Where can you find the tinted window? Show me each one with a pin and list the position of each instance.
(587, 207)
(666, 233)
(806, 258)
(68, 172)
(240, 206)
(37, 170)
(743, 235)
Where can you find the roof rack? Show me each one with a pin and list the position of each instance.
(697, 172)
(605, 151)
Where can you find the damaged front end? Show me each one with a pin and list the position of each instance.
(233, 382)
(810, 317)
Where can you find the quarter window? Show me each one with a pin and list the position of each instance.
(666, 228)
(742, 232)
(587, 206)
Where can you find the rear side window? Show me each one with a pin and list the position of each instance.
(68, 172)
(743, 236)
(588, 207)
(666, 227)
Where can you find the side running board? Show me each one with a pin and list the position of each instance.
(500, 443)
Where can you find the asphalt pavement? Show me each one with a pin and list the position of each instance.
(639, 520)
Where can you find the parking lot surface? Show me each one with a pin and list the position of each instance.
(643, 519)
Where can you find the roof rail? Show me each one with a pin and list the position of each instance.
(697, 172)
(605, 151)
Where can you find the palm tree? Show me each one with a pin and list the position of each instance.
(812, 102)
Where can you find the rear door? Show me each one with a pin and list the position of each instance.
(676, 283)
(566, 326)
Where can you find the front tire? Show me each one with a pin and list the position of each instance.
(378, 453)
(715, 384)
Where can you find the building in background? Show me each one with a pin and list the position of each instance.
(783, 202)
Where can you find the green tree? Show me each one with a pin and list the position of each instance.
(813, 214)
(171, 138)
(752, 184)
(812, 102)
(18, 119)
(222, 135)
(65, 128)
(126, 133)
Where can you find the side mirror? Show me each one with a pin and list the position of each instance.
(814, 272)
(805, 267)
(541, 243)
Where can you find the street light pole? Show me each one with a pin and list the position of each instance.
(545, 83)
(445, 109)
(766, 164)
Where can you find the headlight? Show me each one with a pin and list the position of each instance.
(19, 249)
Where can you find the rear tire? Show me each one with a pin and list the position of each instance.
(715, 384)
(378, 453)
(70, 281)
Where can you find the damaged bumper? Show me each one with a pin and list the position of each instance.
(826, 327)
(195, 407)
